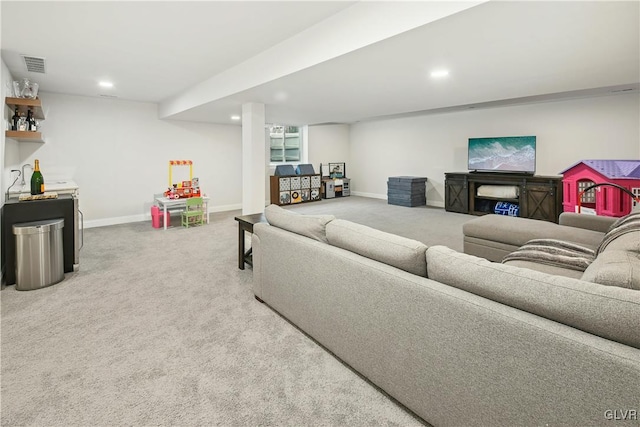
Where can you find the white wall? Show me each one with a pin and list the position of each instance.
(5, 78)
(8, 147)
(118, 153)
(329, 143)
(567, 131)
(323, 144)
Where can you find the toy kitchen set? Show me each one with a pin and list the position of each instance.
(59, 200)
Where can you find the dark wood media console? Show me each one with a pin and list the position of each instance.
(540, 197)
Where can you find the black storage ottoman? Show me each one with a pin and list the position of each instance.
(407, 191)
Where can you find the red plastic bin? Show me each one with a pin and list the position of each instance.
(157, 217)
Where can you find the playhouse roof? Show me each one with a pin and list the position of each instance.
(612, 169)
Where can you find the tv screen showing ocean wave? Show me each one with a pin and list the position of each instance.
(503, 154)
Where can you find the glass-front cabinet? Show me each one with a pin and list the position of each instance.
(285, 143)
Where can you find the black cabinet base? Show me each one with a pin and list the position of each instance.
(15, 212)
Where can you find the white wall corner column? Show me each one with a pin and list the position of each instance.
(253, 158)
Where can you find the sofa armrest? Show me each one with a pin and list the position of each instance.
(587, 222)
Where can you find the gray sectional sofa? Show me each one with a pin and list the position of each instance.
(495, 236)
(457, 339)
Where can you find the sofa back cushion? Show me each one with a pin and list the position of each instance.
(312, 226)
(615, 268)
(517, 231)
(618, 257)
(628, 224)
(397, 251)
(629, 241)
(608, 311)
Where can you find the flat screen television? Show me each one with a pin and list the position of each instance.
(515, 154)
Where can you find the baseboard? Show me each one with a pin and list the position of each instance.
(146, 217)
(225, 208)
(371, 195)
(384, 197)
(116, 220)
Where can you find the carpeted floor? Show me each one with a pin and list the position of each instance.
(161, 328)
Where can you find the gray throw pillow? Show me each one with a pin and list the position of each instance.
(633, 215)
(312, 226)
(615, 268)
(627, 224)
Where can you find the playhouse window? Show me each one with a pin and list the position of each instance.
(588, 198)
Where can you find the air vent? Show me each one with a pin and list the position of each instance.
(34, 64)
(107, 96)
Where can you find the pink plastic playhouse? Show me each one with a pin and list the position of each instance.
(605, 200)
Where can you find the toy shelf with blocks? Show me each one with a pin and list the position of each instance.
(291, 189)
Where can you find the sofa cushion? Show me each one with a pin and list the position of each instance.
(615, 268)
(397, 251)
(632, 216)
(517, 231)
(628, 224)
(629, 241)
(586, 222)
(608, 311)
(312, 226)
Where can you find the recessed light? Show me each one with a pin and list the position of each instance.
(105, 84)
(281, 96)
(235, 117)
(439, 73)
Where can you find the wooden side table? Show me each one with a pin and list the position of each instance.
(245, 223)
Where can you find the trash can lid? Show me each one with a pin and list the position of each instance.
(38, 227)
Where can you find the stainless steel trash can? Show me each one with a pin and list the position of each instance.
(39, 254)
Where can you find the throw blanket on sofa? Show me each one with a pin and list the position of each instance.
(554, 252)
(626, 224)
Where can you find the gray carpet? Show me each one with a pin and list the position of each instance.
(161, 328)
(432, 226)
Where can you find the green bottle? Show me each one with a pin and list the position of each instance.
(37, 181)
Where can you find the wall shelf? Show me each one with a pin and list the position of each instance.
(25, 104)
(24, 135)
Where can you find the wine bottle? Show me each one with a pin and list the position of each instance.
(32, 122)
(37, 181)
(16, 119)
(28, 120)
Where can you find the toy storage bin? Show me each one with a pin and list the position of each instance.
(157, 217)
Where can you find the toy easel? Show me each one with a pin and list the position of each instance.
(184, 189)
(173, 163)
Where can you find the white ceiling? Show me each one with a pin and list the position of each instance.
(496, 52)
